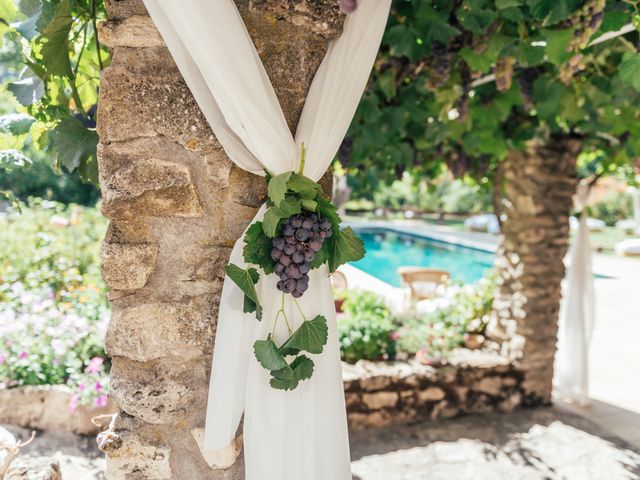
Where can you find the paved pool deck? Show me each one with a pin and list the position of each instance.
(614, 356)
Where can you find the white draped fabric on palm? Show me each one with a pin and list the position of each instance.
(577, 315)
(288, 435)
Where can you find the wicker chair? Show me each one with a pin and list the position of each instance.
(422, 283)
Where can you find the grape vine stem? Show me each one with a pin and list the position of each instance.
(286, 320)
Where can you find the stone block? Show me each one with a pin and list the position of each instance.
(127, 266)
(431, 394)
(136, 31)
(378, 400)
(150, 187)
(489, 385)
(152, 331)
(160, 392)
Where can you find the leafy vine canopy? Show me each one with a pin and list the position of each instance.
(464, 82)
(52, 60)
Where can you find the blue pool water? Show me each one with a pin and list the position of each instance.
(387, 250)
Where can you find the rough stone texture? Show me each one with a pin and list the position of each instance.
(176, 206)
(540, 183)
(46, 407)
(385, 393)
(29, 468)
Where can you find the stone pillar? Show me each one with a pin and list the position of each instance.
(540, 183)
(176, 206)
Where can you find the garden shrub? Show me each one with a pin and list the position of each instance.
(436, 333)
(613, 206)
(366, 330)
(53, 308)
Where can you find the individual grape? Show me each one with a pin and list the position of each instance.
(289, 285)
(302, 285)
(296, 294)
(289, 249)
(294, 272)
(309, 255)
(304, 268)
(302, 234)
(276, 254)
(285, 260)
(296, 221)
(329, 233)
(297, 257)
(323, 234)
(315, 245)
(348, 6)
(299, 247)
(279, 268)
(280, 285)
(307, 223)
(283, 276)
(278, 243)
(291, 239)
(325, 224)
(288, 230)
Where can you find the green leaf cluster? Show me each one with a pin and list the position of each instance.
(430, 106)
(310, 337)
(56, 43)
(246, 280)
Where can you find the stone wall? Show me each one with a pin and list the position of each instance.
(540, 183)
(384, 393)
(176, 206)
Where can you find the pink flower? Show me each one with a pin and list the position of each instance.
(394, 335)
(73, 403)
(82, 387)
(3, 358)
(98, 386)
(23, 355)
(100, 401)
(94, 365)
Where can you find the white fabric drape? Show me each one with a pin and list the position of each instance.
(577, 315)
(287, 435)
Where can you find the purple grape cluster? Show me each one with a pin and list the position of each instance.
(301, 238)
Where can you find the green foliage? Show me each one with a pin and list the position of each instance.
(56, 43)
(53, 309)
(437, 333)
(310, 337)
(51, 246)
(246, 281)
(429, 105)
(613, 206)
(365, 331)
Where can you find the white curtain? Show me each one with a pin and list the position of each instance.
(287, 435)
(577, 314)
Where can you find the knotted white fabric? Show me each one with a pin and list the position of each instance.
(577, 314)
(300, 434)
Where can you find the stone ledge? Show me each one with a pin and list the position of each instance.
(384, 393)
(46, 407)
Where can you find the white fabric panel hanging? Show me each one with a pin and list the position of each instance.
(577, 315)
(300, 434)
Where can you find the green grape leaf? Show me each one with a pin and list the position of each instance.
(557, 43)
(629, 70)
(502, 4)
(387, 83)
(257, 248)
(308, 204)
(277, 187)
(267, 354)
(73, 144)
(304, 186)
(246, 281)
(326, 209)
(28, 90)
(16, 123)
(302, 367)
(344, 246)
(311, 336)
(289, 206)
(475, 18)
(55, 52)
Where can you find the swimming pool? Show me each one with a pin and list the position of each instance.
(387, 250)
